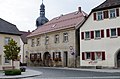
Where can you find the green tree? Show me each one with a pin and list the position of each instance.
(11, 51)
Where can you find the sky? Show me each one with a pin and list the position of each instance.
(23, 13)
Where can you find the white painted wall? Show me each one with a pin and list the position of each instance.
(107, 44)
(2, 43)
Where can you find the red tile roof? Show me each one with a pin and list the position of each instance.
(61, 22)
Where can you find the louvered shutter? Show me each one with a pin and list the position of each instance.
(102, 33)
(92, 55)
(94, 16)
(83, 55)
(103, 55)
(118, 30)
(105, 13)
(92, 34)
(117, 12)
(108, 33)
(82, 35)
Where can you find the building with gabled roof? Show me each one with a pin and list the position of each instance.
(100, 36)
(7, 31)
(56, 42)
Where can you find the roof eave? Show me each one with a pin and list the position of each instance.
(95, 9)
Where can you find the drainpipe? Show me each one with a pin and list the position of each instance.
(23, 52)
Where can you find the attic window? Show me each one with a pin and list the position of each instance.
(53, 25)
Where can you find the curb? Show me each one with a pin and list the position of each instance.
(93, 70)
(27, 74)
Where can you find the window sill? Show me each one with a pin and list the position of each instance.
(97, 38)
(87, 38)
(113, 36)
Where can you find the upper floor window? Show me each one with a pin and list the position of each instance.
(65, 37)
(46, 40)
(99, 15)
(7, 39)
(57, 38)
(113, 32)
(97, 34)
(7, 61)
(87, 35)
(112, 13)
(32, 43)
(38, 41)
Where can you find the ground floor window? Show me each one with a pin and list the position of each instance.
(100, 55)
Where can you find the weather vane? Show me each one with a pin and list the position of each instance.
(42, 1)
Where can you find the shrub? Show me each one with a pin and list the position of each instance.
(13, 72)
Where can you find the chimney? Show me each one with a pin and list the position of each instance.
(28, 30)
(79, 9)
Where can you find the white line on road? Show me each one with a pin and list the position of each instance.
(106, 77)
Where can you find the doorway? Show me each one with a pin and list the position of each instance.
(46, 59)
(65, 59)
(118, 59)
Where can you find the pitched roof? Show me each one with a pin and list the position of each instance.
(107, 5)
(8, 28)
(61, 22)
(24, 36)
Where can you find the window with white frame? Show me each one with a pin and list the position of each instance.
(98, 56)
(38, 41)
(97, 34)
(112, 13)
(99, 15)
(88, 55)
(6, 60)
(113, 32)
(32, 43)
(87, 35)
(65, 37)
(57, 38)
(7, 39)
(46, 40)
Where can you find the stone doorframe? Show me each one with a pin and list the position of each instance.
(116, 58)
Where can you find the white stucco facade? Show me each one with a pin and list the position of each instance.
(2, 43)
(110, 45)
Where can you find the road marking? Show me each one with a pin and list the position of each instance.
(106, 77)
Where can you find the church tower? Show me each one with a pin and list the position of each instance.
(41, 19)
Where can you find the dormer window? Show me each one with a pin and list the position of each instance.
(112, 13)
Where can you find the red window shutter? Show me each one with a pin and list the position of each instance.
(92, 34)
(105, 13)
(94, 16)
(83, 56)
(82, 35)
(92, 55)
(102, 33)
(117, 12)
(53, 55)
(118, 30)
(103, 55)
(108, 33)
